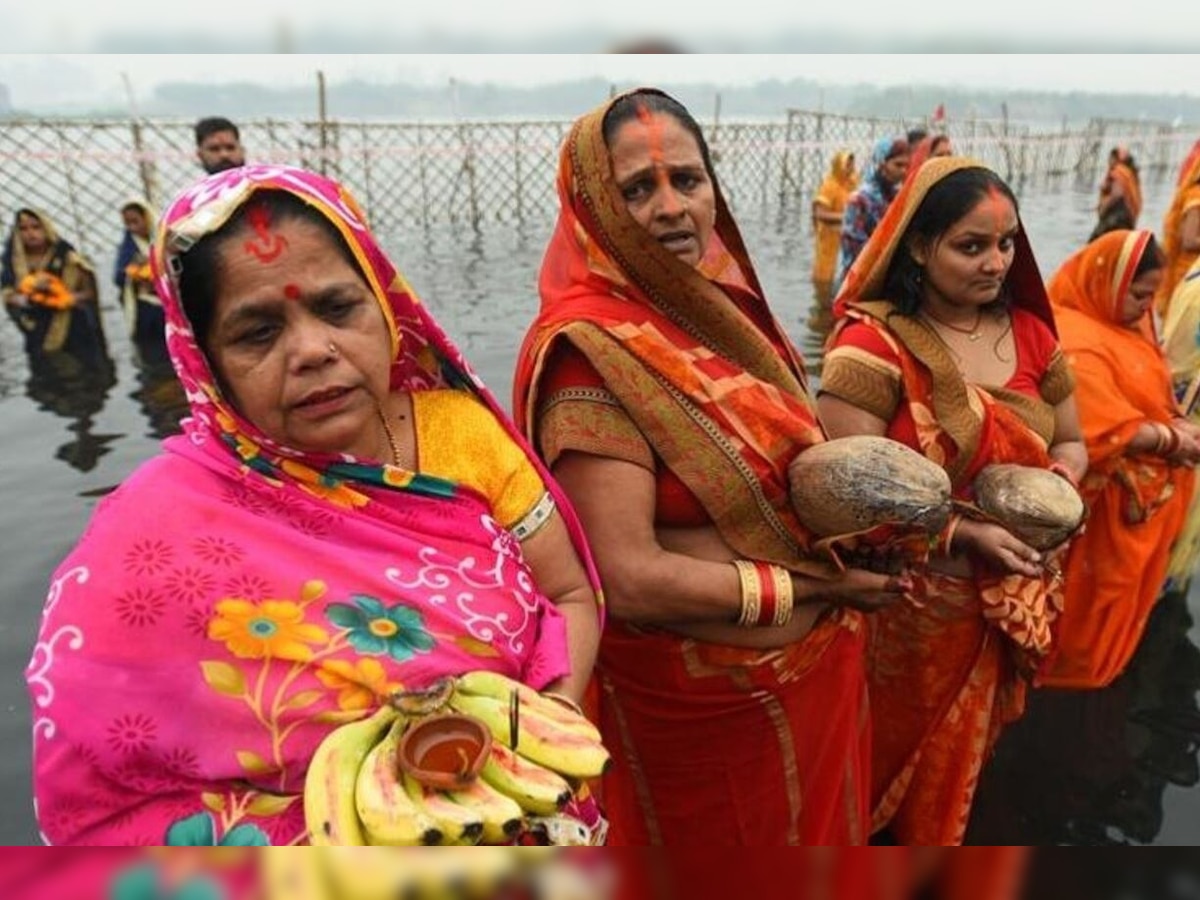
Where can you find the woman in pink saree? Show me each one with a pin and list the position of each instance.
(348, 512)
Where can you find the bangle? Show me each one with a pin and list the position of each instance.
(1174, 441)
(1062, 470)
(768, 597)
(945, 537)
(751, 594)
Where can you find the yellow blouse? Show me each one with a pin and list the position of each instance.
(459, 439)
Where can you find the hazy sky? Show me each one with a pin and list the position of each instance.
(47, 25)
(42, 80)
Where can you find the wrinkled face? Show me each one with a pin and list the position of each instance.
(1140, 296)
(660, 172)
(967, 265)
(298, 340)
(33, 235)
(895, 168)
(219, 151)
(135, 222)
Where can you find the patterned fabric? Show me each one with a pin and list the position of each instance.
(719, 393)
(866, 206)
(1181, 344)
(235, 599)
(1138, 504)
(947, 673)
(833, 194)
(1186, 200)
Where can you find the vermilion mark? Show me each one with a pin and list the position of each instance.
(265, 245)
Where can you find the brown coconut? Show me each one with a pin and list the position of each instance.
(855, 483)
(1036, 505)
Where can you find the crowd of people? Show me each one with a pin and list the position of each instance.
(350, 510)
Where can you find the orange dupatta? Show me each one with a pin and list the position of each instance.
(714, 744)
(946, 676)
(1186, 198)
(1138, 503)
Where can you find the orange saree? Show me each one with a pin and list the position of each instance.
(1114, 572)
(714, 745)
(835, 190)
(946, 674)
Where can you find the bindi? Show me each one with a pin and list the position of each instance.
(291, 291)
(265, 245)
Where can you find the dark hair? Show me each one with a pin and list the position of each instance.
(627, 108)
(212, 125)
(1152, 259)
(946, 203)
(916, 135)
(200, 265)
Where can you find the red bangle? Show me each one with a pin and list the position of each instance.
(767, 593)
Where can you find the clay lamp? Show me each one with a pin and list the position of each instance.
(445, 751)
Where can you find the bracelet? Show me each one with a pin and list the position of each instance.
(768, 597)
(751, 594)
(945, 537)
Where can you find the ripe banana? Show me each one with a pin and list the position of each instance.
(502, 816)
(500, 687)
(329, 807)
(293, 874)
(459, 824)
(539, 739)
(388, 814)
(535, 788)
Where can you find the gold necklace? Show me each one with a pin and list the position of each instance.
(973, 333)
(391, 435)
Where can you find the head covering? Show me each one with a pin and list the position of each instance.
(16, 261)
(1095, 280)
(866, 278)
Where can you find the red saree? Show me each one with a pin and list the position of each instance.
(714, 745)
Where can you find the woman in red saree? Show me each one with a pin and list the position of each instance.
(947, 345)
(1140, 452)
(348, 512)
(669, 403)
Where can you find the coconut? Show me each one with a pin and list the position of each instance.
(857, 483)
(1036, 505)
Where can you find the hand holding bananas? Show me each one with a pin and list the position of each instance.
(478, 758)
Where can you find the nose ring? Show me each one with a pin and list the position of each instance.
(333, 350)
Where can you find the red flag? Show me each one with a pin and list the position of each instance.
(939, 114)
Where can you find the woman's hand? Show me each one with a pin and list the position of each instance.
(997, 547)
(856, 589)
(1187, 453)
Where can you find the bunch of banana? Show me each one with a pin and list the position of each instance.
(358, 792)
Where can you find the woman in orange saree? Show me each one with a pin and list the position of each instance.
(827, 208)
(1140, 481)
(1181, 232)
(669, 402)
(946, 675)
(1120, 201)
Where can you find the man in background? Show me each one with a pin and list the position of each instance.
(218, 145)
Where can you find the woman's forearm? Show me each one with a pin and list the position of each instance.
(583, 640)
(1073, 456)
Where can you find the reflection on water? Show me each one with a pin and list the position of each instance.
(1105, 767)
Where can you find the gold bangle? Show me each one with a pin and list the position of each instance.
(751, 593)
(785, 598)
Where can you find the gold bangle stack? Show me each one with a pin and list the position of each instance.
(751, 593)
